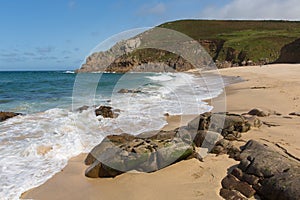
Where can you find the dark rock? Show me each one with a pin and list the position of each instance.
(263, 159)
(295, 114)
(271, 174)
(82, 108)
(258, 112)
(129, 91)
(231, 183)
(105, 111)
(6, 115)
(289, 53)
(231, 195)
(251, 179)
(224, 146)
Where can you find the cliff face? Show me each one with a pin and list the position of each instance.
(290, 53)
(229, 43)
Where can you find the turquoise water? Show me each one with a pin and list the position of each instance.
(49, 101)
(30, 92)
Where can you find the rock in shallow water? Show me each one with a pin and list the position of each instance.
(6, 115)
(106, 112)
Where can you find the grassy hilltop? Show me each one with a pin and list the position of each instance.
(229, 43)
(240, 40)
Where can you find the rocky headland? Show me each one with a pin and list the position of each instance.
(228, 43)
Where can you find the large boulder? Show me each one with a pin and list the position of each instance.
(6, 115)
(117, 154)
(263, 171)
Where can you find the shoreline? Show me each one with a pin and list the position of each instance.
(269, 87)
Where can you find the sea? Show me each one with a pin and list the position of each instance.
(52, 129)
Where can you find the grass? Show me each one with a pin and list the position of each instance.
(258, 39)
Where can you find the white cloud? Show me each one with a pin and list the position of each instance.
(156, 9)
(255, 9)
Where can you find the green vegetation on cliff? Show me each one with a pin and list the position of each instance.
(229, 43)
(236, 41)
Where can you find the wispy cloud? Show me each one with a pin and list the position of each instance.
(46, 58)
(11, 57)
(157, 9)
(28, 54)
(44, 50)
(255, 9)
(8, 55)
(66, 52)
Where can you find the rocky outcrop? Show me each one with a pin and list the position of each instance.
(99, 61)
(265, 172)
(230, 126)
(6, 115)
(117, 154)
(290, 53)
(150, 152)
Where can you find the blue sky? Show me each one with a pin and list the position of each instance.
(58, 34)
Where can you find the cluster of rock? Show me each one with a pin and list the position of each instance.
(107, 112)
(6, 115)
(150, 152)
(129, 91)
(262, 171)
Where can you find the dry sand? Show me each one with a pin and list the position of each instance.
(272, 87)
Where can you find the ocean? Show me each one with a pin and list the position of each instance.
(36, 145)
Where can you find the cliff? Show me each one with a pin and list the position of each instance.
(229, 43)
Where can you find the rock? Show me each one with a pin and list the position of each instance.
(262, 160)
(6, 115)
(93, 170)
(82, 108)
(253, 121)
(232, 183)
(105, 111)
(271, 174)
(117, 154)
(226, 147)
(224, 123)
(295, 114)
(129, 91)
(258, 112)
(231, 195)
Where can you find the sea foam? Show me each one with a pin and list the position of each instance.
(36, 146)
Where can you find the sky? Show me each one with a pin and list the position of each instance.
(59, 34)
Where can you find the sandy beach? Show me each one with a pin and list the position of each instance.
(274, 88)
